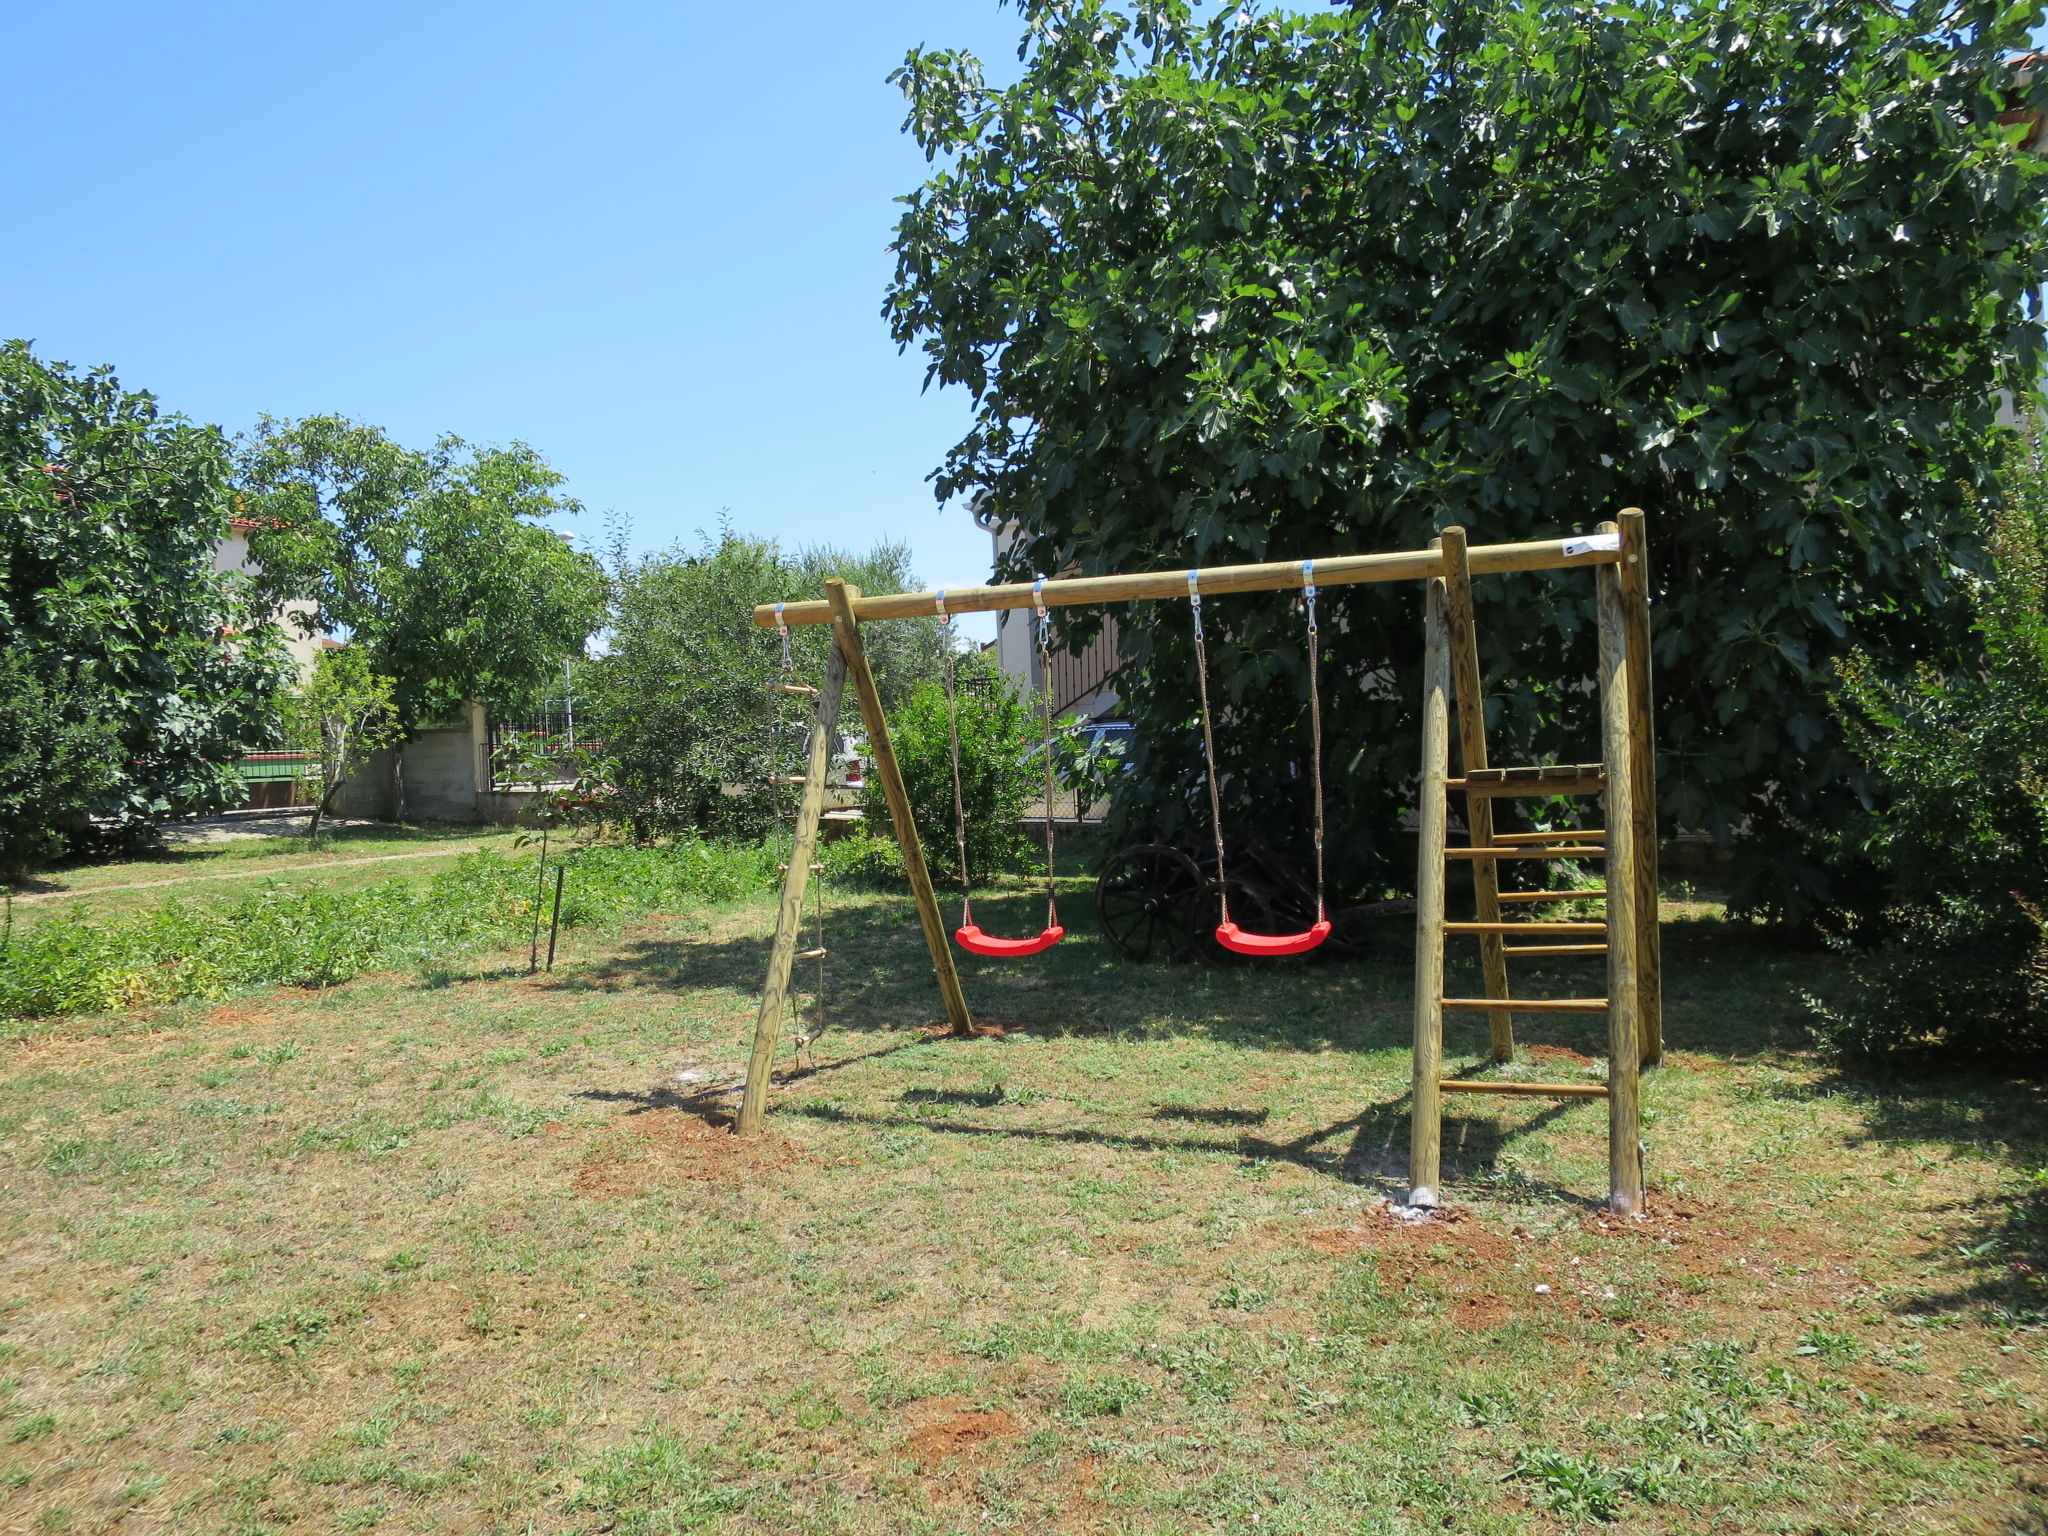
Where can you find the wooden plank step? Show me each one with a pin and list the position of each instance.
(787, 778)
(1531, 1004)
(811, 954)
(846, 815)
(1589, 851)
(1544, 779)
(1553, 949)
(803, 688)
(1526, 927)
(1580, 835)
(1528, 1090)
(1597, 894)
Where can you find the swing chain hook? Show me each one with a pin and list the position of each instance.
(782, 629)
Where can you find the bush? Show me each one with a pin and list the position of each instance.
(1954, 965)
(282, 933)
(56, 755)
(999, 775)
(692, 734)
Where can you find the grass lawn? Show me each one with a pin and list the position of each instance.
(471, 1254)
(201, 872)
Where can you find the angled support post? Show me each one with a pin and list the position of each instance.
(846, 628)
(795, 882)
(1471, 697)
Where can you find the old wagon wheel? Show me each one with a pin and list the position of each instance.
(1145, 900)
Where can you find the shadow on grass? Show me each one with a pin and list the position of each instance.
(2001, 1265)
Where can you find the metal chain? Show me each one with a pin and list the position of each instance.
(1315, 723)
(1052, 911)
(1209, 740)
(953, 743)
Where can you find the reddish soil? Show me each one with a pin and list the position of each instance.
(664, 1146)
(1562, 1053)
(958, 1432)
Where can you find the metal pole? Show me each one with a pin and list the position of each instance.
(555, 922)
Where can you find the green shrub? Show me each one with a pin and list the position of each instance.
(999, 774)
(1954, 964)
(56, 755)
(281, 933)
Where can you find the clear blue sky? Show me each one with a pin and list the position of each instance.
(650, 239)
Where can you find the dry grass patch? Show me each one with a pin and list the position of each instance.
(474, 1253)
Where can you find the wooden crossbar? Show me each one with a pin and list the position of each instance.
(1598, 894)
(1526, 927)
(1581, 834)
(1532, 1004)
(1555, 949)
(1073, 591)
(1590, 851)
(1528, 1090)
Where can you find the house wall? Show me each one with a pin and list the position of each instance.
(442, 774)
(1080, 680)
(232, 555)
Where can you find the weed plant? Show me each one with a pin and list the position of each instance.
(286, 933)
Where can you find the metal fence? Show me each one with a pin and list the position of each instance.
(542, 741)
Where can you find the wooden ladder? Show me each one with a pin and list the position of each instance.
(1626, 937)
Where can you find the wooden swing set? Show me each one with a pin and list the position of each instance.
(1623, 779)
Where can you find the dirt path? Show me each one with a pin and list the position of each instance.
(243, 874)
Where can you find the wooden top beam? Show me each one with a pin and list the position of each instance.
(1338, 571)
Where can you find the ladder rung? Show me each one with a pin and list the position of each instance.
(1580, 834)
(815, 868)
(1525, 927)
(1551, 779)
(1598, 894)
(1529, 1090)
(811, 954)
(1523, 775)
(1590, 851)
(789, 778)
(803, 688)
(846, 816)
(1553, 949)
(1531, 1004)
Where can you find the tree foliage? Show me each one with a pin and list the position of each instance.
(1269, 286)
(117, 625)
(1954, 963)
(57, 755)
(694, 735)
(999, 777)
(342, 714)
(435, 564)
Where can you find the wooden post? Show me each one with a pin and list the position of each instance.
(1425, 1132)
(847, 628)
(1634, 572)
(1624, 888)
(1464, 642)
(795, 881)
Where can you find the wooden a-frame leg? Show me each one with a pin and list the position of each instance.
(1471, 697)
(1624, 1039)
(1634, 572)
(795, 881)
(883, 755)
(1425, 1134)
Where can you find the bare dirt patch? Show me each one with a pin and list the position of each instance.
(948, 1429)
(666, 1146)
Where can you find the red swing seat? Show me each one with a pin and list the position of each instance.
(1232, 937)
(975, 942)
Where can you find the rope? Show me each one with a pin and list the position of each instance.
(1208, 740)
(1052, 911)
(804, 1038)
(1315, 723)
(953, 743)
